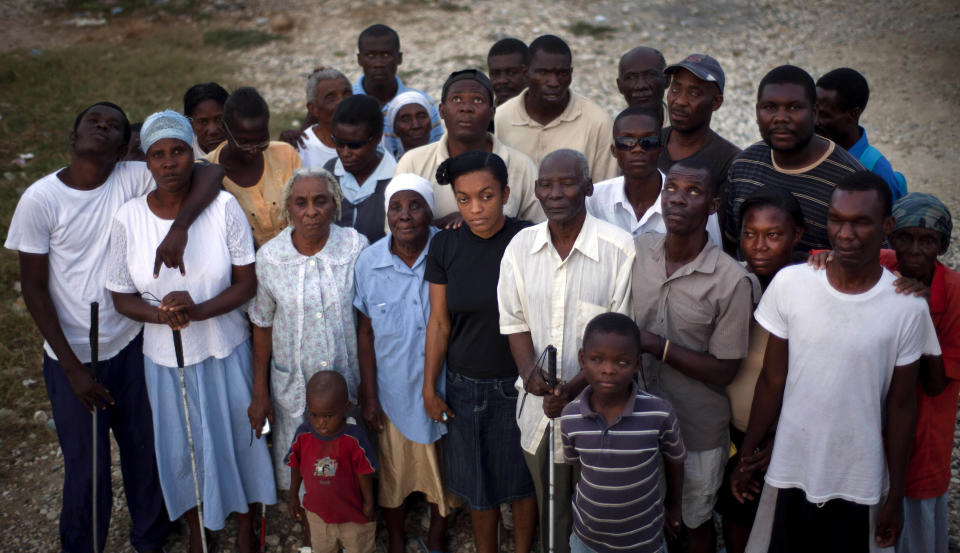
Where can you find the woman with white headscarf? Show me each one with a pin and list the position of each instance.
(204, 305)
(410, 114)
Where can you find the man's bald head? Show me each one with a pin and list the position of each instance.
(562, 186)
(640, 77)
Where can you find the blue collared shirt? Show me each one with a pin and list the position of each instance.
(881, 168)
(390, 139)
(396, 299)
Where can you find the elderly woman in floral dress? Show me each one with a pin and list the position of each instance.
(303, 312)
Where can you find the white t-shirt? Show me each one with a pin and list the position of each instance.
(842, 352)
(73, 228)
(609, 202)
(219, 238)
(315, 153)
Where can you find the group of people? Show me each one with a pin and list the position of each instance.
(382, 290)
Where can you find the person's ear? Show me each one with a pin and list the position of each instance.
(506, 194)
(714, 204)
(797, 235)
(613, 149)
(888, 225)
(588, 189)
(359, 60)
(73, 138)
(399, 58)
(717, 102)
(441, 110)
(855, 114)
(582, 359)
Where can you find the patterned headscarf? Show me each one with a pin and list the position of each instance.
(924, 211)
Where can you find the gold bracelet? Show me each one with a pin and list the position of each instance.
(666, 347)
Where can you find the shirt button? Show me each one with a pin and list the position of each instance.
(320, 314)
(311, 262)
(323, 363)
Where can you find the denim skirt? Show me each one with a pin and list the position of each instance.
(482, 459)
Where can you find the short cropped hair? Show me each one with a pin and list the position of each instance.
(328, 383)
(470, 162)
(864, 181)
(613, 323)
(318, 76)
(360, 109)
(510, 45)
(550, 44)
(769, 196)
(245, 103)
(583, 166)
(111, 105)
(640, 110)
(851, 88)
(790, 74)
(699, 165)
(199, 93)
(379, 30)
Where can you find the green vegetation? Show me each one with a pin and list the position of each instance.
(40, 96)
(238, 39)
(585, 28)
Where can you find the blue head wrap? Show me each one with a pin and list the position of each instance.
(165, 124)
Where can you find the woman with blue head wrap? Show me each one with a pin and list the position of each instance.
(204, 303)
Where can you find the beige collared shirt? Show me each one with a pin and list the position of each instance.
(554, 299)
(705, 306)
(521, 173)
(583, 126)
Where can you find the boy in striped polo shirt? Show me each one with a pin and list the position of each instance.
(617, 433)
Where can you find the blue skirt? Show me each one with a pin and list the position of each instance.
(231, 471)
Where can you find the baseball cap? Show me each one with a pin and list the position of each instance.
(703, 66)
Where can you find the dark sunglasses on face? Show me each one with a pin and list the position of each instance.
(355, 145)
(646, 143)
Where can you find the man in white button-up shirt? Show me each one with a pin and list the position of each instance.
(632, 200)
(554, 278)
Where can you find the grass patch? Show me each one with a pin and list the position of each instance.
(238, 39)
(39, 100)
(585, 28)
(406, 74)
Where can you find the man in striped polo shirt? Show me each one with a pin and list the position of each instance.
(617, 434)
(790, 157)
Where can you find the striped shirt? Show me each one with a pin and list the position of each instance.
(812, 186)
(617, 504)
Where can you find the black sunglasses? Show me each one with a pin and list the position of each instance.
(646, 143)
(356, 145)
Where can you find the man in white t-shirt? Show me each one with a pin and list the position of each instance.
(841, 371)
(61, 229)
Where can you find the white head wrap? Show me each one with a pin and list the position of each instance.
(404, 99)
(165, 124)
(409, 181)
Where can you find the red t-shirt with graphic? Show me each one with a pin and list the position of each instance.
(929, 472)
(330, 467)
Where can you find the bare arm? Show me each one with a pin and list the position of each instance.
(698, 365)
(438, 337)
(673, 501)
(260, 405)
(243, 286)
(367, 359)
(901, 408)
(207, 183)
(767, 400)
(932, 375)
(521, 347)
(293, 496)
(34, 278)
(366, 491)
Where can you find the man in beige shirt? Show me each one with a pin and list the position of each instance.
(549, 116)
(466, 106)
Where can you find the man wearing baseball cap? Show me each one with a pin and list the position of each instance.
(467, 107)
(695, 92)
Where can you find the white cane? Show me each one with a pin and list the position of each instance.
(94, 354)
(178, 348)
(551, 509)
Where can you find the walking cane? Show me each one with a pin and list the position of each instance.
(552, 381)
(178, 348)
(94, 354)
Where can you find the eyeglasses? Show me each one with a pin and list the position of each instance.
(355, 145)
(646, 143)
(252, 148)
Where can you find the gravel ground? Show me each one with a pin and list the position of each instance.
(907, 50)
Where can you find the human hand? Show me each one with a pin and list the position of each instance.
(889, 522)
(555, 401)
(260, 408)
(92, 394)
(743, 485)
(368, 510)
(536, 384)
(436, 408)
(293, 505)
(451, 221)
(176, 320)
(295, 138)
(906, 286)
(180, 302)
(759, 460)
(672, 520)
(170, 250)
(820, 260)
(372, 413)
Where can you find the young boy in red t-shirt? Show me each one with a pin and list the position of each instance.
(335, 463)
